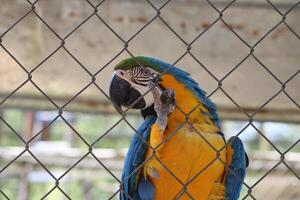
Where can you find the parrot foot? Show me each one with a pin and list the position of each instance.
(163, 105)
(168, 99)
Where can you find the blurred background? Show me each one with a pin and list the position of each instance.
(52, 50)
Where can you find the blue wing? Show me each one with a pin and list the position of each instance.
(237, 169)
(131, 185)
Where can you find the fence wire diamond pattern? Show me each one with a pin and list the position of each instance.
(189, 45)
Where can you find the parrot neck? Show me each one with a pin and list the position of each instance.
(187, 103)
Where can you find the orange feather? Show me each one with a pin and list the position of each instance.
(185, 152)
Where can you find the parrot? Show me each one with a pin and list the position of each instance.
(179, 150)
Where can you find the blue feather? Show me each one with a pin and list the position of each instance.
(135, 157)
(146, 190)
(237, 169)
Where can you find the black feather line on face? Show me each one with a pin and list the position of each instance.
(138, 83)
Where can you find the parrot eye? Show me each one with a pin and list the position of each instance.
(146, 72)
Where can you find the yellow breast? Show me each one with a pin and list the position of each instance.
(187, 158)
(184, 156)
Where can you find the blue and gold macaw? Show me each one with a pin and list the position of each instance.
(179, 150)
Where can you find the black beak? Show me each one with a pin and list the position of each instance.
(122, 94)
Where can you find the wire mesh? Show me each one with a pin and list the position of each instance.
(126, 43)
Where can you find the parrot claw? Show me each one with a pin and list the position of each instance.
(168, 99)
(163, 105)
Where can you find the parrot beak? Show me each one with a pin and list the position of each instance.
(122, 94)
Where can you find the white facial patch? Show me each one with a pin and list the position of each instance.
(143, 90)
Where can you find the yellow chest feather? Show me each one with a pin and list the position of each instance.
(186, 158)
(184, 155)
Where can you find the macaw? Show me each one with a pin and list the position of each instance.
(179, 151)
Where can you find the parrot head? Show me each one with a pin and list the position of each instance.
(134, 78)
(131, 83)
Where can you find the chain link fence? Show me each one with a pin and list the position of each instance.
(92, 76)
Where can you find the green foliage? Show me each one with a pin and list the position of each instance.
(97, 185)
(90, 126)
(15, 119)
